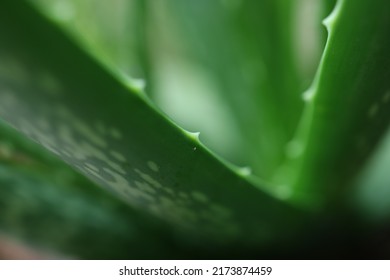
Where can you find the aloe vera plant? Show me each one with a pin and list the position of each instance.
(279, 164)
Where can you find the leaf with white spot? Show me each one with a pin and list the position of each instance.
(94, 116)
(77, 222)
(48, 205)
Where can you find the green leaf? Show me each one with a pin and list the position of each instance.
(113, 31)
(48, 205)
(347, 107)
(310, 36)
(63, 99)
(246, 46)
(77, 222)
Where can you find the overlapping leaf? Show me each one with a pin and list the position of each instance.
(347, 106)
(63, 99)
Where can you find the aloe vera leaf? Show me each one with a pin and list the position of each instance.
(144, 46)
(35, 182)
(254, 49)
(346, 107)
(77, 109)
(48, 205)
(246, 47)
(78, 224)
(141, 44)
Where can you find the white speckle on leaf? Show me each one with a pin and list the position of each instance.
(91, 166)
(123, 187)
(88, 150)
(153, 166)
(94, 173)
(51, 149)
(149, 179)
(80, 127)
(44, 137)
(116, 167)
(145, 187)
(87, 132)
(118, 156)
